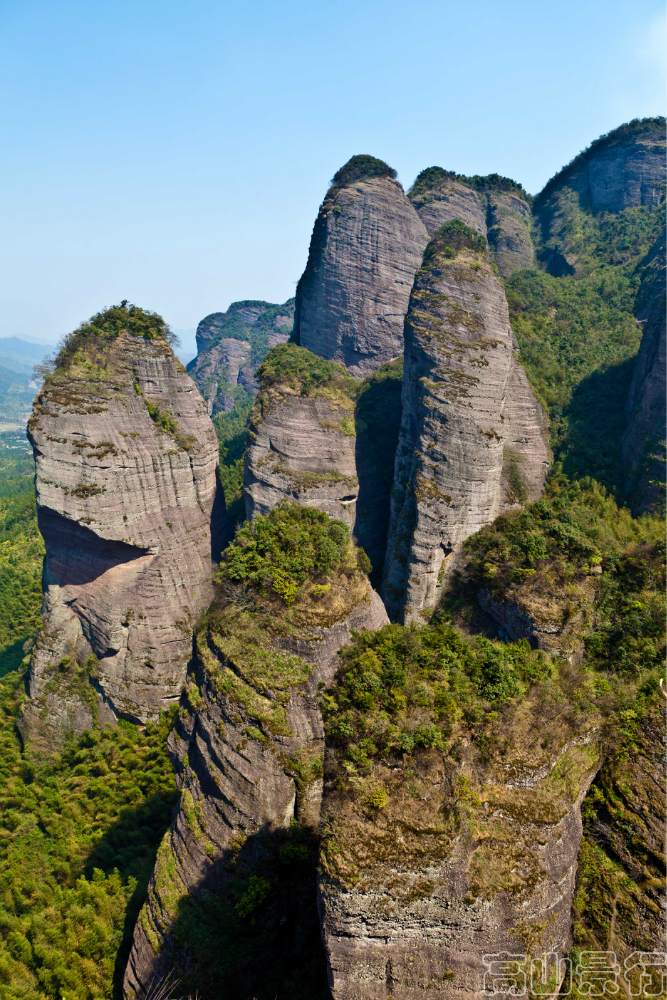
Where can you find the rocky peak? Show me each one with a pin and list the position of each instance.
(301, 442)
(231, 345)
(131, 514)
(495, 206)
(366, 245)
(622, 170)
(471, 441)
(320, 439)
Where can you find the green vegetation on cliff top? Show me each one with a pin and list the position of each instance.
(289, 365)
(95, 336)
(435, 177)
(550, 548)
(359, 168)
(453, 237)
(283, 550)
(401, 690)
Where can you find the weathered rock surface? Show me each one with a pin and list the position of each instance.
(493, 206)
(366, 245)
(621, 170)
(467, 857)
(471, 440)
(248, 752)
(329, 445)
(131, 513)
(644, 441)
(231, 346)
(301, 448)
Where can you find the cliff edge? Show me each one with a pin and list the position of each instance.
(131, 514)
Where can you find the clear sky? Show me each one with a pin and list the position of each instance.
(175, 152)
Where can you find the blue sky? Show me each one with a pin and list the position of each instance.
(175, 153)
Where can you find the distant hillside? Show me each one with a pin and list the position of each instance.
(17, 385)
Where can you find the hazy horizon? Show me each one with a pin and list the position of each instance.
(177, 157)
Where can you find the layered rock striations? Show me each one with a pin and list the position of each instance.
(471, 440)
(644, 440)
(320, 439)
(443, 845)
(494, 206)
(366, 245)
(131, 514)
(249, 743)
(302, 436)
(231, 346)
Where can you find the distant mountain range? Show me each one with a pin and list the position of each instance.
(17, 385)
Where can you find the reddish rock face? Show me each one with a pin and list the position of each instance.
(131, 513)
(470, 444)
(352, 298)
(239, 733)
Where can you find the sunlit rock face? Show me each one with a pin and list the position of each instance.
(366, 245)
(471, 442)
(131, 511)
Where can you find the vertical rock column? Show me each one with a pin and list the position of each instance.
(249, 753)
(459, 365)
(367, 244)
(131, 512)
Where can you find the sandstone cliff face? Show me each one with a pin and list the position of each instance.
(248, 752)
(301, 442)
(320, 439)
(231, 346)
(471, 441)
(644, 441)
(367, 244)
(303, 450)
(470, 854)
(131, 513)
(622, 170)
(493, 206)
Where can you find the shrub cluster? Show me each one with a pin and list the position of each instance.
(278, 553)
(453, 237)
(102, 329)
(298, 368)
(359, 167)
(574, 527)
(434, 177)
(401, 689)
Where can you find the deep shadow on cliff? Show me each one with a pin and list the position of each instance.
(596, 424)
(130, 845)
(378, 419)
(252, 932)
